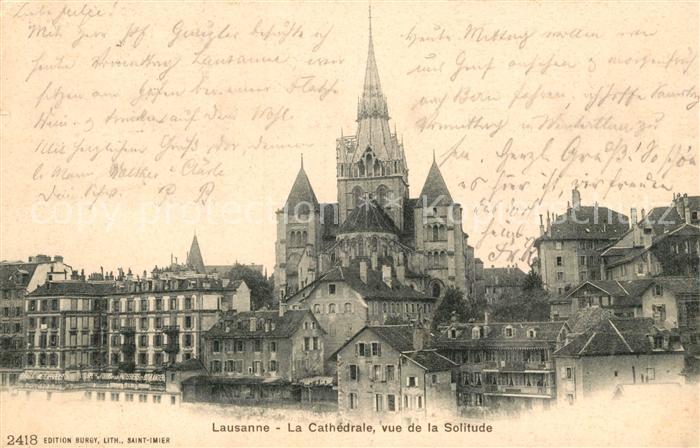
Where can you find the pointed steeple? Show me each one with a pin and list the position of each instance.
(372, 112)
(301, 191)
(434, 190)
(194, 257)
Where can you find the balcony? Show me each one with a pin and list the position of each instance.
(520, 391)
(540, 365)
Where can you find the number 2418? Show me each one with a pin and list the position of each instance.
(21, 440)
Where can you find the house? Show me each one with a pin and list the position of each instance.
(259, 356)
(568, 248)
(18, 278)
(346, 299)
(503, 366)
(503, 283)
(386, 369)
(617, 351)
(621, 296)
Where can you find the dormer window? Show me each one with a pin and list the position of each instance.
(531, 333)
(509, 331)
(452, 334)
(658, 290)
(476, 333)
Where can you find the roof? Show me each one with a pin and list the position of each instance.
(243, 380)
(435, 191)
(301, 193)
(8, 279)
(75, 288)
(430, 360)
(586, 223)
(494, 334)
(399, 337)
(510, 276)
(586, 318)
(190, 365)
(661, 219)
(615, 336)
(194, 257)
(237, 325)
(369, 216)
(679, 285)
(625, 292)
(375, 288)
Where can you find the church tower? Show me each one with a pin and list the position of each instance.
(372, 164)
(299, 233)
(194, 257)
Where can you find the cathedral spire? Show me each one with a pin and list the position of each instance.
(194, 257)
(372, 112)
(301, 191)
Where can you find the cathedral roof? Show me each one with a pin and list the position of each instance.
(434, 190)
(194, 257)
(368, 217)
(301, 192)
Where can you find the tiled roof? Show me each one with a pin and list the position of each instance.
(8, 279)
(237, 325)
(368, 217)
(435, 191)
(375, 288)
(430, 360)
(619, 289)
(662, 219)
(399, 337)
(494, 334)
(614, 336)
(194, 257)
(504, 276)
(189, 365)
(586, 318)
(680, 285)
(301, 192)
(587, 223)
(75, 288)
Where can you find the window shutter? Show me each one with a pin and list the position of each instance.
(563, 373)
(379, 349)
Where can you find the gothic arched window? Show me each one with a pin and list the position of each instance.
(443, 259)
(357, 196)
(304, 238)
(436, 234)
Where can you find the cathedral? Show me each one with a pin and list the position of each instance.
(374, 220)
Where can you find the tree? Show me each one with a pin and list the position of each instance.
(533, 281)
(454, 303)
(531, 305)
(261, 290)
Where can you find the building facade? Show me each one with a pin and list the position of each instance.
(16, 280)
(617, 352)
(568, 248)
(374, 217)
(503, 366)
(503, 283)
(385, 369)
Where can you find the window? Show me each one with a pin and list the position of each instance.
(411, 381)
(419, 402)
(379, 402)
(156, 398)
(376, 372)
(188, 303)
(129, 397)
(257, 367)
(144, 323)
(143, 359)
(352, 400)
(144, 304)
(508, 331)
(557, 245)
(560, 261)
(100, 396)
(331, 288)
(315, 343)
(651, 374)
(348, 308)
(216, 346)
(257, 345)
(659, 312)
(452, 333)
(531, 333)
(158, 359)
(389, 373)
(433, 379)
(569, 373)
(188, 340)
(215, 366)
(361, 349)
(317, 309)
(376, 349)
(159, 323)
(114, 396)
(273, 346)
(658, 290)
(143, 398)
(658, 342)
(239, 346)
(331, 308)
(158, 340)
(391, 403)
(273, 366)
(354, 371)
(188, 322)
(307, 344)
(570, 398)
(476, 333)
(560, 276)
(159, 304)
(143, 340)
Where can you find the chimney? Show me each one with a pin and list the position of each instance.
(421, 336)
(686, 208)
(363, 271)
(541, 226)
(633, 217)
(282, 308)
(549, 225)
(386, 275)
(575, 199)
(401, 274)
(486, 317)
(253, 324)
